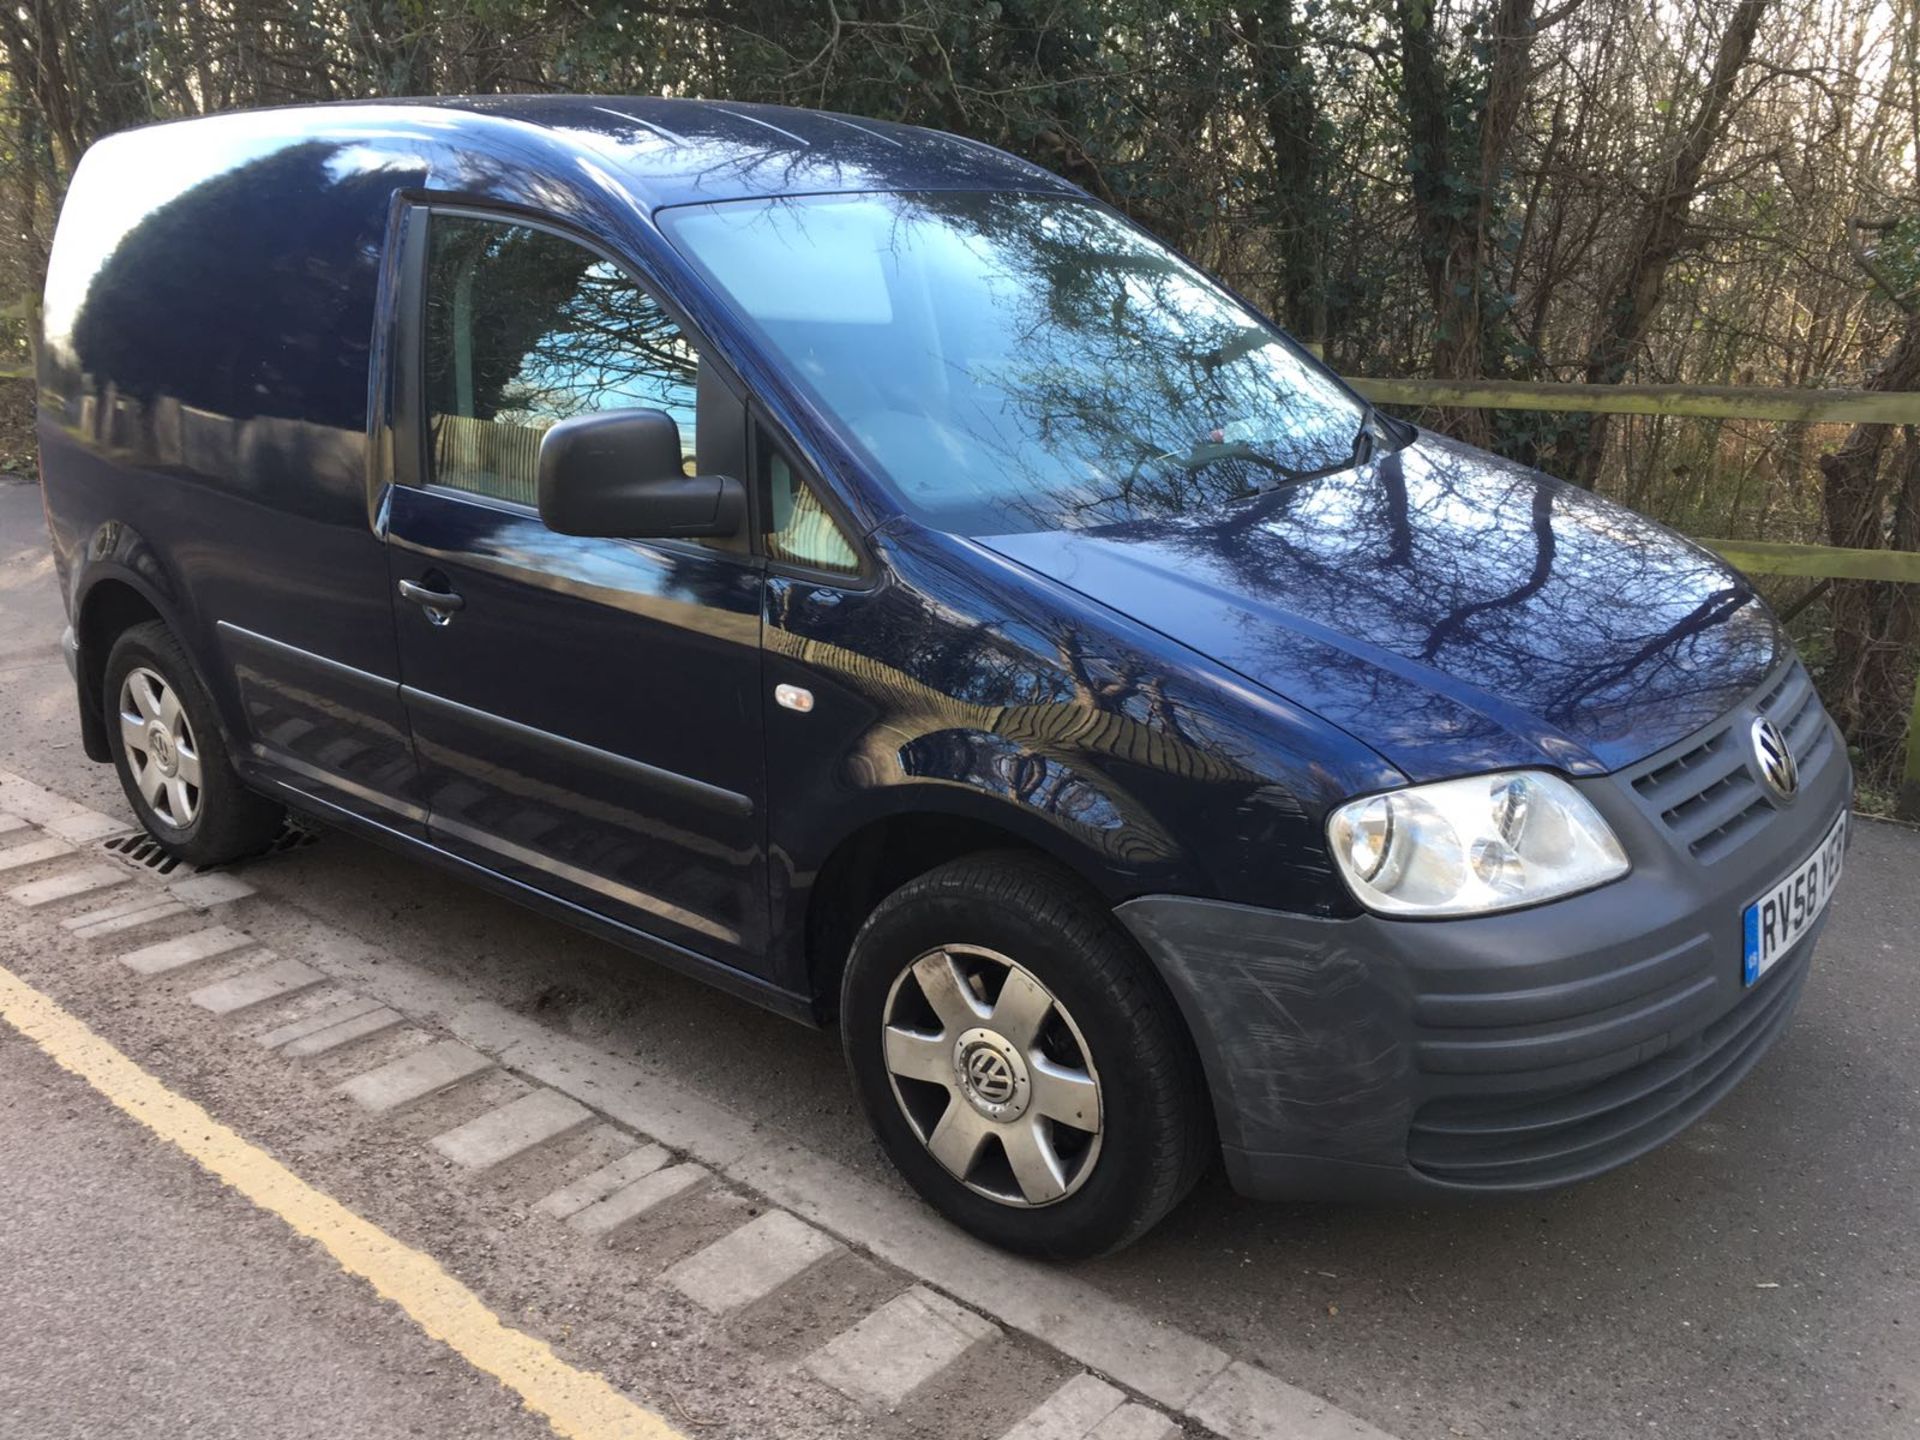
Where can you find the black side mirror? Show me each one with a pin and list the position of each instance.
(618, 474)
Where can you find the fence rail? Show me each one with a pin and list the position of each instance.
(1707, 402)
(1819, 562)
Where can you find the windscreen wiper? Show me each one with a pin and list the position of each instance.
(1365, 439)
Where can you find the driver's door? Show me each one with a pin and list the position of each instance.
(585, 711)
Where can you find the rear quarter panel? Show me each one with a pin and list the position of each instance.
(204, 416)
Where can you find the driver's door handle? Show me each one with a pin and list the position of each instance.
(439, 604)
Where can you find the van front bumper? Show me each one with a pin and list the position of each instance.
(1373, 1058)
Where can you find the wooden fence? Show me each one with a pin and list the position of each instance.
(1717, 402)
(1707, 402)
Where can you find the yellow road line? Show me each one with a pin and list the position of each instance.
(578, 1404)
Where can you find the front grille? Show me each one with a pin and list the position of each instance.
(1708, 795)
(1494, 1142)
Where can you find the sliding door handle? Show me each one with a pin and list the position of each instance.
(439, 604)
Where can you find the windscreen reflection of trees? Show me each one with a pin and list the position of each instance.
(1096, 378)
(555, 331)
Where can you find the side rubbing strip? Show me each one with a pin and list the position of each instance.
(294, 763)
(668, 782)
(587, 880)
(245, 640)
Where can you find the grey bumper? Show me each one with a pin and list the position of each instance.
(1370, 1057)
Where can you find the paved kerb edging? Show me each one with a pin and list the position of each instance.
(579, 1403)
(1163, 1363)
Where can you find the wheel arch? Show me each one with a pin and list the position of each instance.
(111, 605)
(912, 832)
(884, 851)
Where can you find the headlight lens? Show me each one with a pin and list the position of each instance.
(1475, 845)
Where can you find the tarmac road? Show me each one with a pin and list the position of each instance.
(142, 1298)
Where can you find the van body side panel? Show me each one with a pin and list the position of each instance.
(205, 385)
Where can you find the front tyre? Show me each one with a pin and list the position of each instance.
(172, 761)
(1020, 1062)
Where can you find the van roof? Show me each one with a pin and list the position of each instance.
(671, 152)
(680, 150)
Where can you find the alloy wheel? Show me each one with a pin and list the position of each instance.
(993, 1075)
(162, 755)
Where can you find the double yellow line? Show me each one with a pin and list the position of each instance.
(577, 1403)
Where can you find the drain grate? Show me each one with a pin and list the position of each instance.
(140, 848)
(136, 847)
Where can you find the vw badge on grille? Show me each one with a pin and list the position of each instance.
(1777, 765)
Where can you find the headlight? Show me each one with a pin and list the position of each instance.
(1470, 846)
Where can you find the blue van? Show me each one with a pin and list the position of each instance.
(850, 565)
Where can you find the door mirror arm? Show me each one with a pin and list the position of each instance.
(618, 474)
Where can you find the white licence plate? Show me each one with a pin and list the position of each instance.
(1775, 922)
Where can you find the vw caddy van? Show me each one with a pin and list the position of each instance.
(850, 565)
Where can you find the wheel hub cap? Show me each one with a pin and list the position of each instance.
(161, 757)
(160, 749)
(991, 1074)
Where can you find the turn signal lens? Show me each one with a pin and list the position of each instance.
(1473, 846)
(1367, 836)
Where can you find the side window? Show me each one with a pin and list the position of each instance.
(525, 329)
(800, 530)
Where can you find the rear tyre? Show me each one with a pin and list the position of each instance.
(1020, 1061)
(172, 761)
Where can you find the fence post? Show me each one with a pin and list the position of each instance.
(1907, 804)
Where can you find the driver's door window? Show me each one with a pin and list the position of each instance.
(525, 328)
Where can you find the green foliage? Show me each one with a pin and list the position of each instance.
(1897, 254)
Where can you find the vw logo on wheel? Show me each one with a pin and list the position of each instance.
(990, 1075)
(1777, 765)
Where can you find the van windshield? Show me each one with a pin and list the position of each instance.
(1018, 362)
